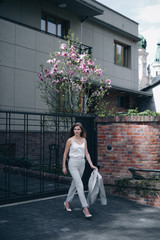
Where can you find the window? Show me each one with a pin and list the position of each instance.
(54, 25)
(121, 54)
(123, 101)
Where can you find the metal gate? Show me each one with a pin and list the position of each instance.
(31, 151)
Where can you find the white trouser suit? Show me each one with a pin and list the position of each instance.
(76, 167)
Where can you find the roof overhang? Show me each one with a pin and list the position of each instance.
(154, 83)
(131, 92)
(115, 29)
(81, 8)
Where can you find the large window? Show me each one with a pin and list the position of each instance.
(121, 54)
(54, 25)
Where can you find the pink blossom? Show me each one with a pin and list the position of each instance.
(73, 56)
(94, 93)
(108, 81)
(83, 79)
(69, 63)
(39, 74)
(46, 71)
(55, 60)
(50, 61)
(78, 60)
(63, 46)
(54, 81)
(64, 54)
(86, 70)
(98, 72)
(58, 54)
(57, 90)
(92, 68)
(82, 56)
(53, 70)
(72, 48)
(101, 88)
(82, 66)
(70, 72)
(60, 72)
(48, 75)
(90, 62)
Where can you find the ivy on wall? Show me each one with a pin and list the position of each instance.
(142, 187)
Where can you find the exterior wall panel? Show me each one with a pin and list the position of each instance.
(24, 49)
(7, 54)
(25, 37)
(7, 86)
(7, 31)
(24, 89)
(25, 59)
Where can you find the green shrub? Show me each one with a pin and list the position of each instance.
(134, 112)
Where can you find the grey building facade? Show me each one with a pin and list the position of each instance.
(30, 30)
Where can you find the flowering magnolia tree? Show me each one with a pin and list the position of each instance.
(72, 82)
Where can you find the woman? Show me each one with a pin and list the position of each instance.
(76, 145)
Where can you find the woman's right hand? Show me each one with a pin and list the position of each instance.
(64, 170)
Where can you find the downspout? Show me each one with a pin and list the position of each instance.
(82, 20)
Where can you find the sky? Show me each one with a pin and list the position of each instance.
(144, 12)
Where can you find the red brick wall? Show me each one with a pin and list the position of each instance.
(135, 141)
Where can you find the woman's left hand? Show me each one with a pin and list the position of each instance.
(94, 167)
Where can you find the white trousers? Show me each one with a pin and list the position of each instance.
(76, 167)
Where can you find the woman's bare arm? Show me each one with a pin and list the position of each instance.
(67, 147)
(88, 157)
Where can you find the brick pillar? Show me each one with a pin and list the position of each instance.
(135, 142)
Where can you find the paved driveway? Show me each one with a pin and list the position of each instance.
(45, 219)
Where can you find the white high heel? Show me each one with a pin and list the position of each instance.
(67, 209)
(87, 215)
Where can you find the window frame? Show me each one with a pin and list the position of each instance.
(65, 24)
(125, 51)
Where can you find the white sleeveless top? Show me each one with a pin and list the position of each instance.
(77, 150)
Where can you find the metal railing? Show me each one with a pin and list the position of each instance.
(31, 151)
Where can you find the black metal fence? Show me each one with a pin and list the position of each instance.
(31, 150)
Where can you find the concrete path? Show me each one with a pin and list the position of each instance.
(45, 219)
